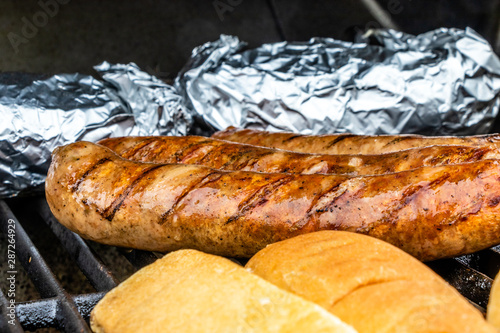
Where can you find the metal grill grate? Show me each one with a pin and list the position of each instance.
(471, 275)
(57, 308)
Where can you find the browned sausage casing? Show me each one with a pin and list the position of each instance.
(349, 143)
(224, 155)
(430, 212)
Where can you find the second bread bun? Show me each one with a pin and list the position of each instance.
(369, 284)
(493, 313)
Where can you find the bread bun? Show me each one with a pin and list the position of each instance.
(493, 311)
(189, 291)
(369, 284)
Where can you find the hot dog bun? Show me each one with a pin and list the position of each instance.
(367, 283)
(190, 291)
(493, 311)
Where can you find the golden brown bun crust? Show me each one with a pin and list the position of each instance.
(189, 291)
(367, 283)
(493, 311)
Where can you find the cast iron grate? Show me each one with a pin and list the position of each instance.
(56, 308)
(471, 275)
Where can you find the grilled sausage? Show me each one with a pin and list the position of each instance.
(350, 143)
(430, 212)
(226, 155)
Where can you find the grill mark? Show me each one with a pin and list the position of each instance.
(234, 157)
(331, 204)
(178, 155)
(109, 213)
(339, 169)
(135, 149)
(254, 199)
(478, 154)
(205, 180)
(77, 184)
(253, 161)
(489, 138)
(459, 155)
(436, 182)
(232, 162)
(409, 195)
(339, 138)
(207, 156)
(398, 139)
(390, 214)
(291, 138)
(318, 197)
(406, 198)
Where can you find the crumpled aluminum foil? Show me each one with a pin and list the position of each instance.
(38, 116)
(444, 82)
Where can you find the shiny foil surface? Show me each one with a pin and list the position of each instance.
(38, 116)
(444, 82)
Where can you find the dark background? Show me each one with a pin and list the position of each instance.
(74, 35)
(67, 36)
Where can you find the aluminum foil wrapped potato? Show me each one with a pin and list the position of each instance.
(442, 82)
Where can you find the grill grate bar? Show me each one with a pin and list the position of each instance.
(43, 313)
(495, 249)
(486, 261)
(473, 285)
(67, 316)
(88, 261)
(138, 258)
